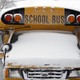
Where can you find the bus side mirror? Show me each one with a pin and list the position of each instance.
(6, 48)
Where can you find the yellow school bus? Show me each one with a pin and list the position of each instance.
(40, 40)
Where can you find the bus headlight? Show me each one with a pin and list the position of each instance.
(14, 74)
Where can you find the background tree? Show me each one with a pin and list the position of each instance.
(6, 4)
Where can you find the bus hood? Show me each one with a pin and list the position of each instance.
(45, 48)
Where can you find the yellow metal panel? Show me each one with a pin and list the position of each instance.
(6, 73)
(1, 55)
(13, 79)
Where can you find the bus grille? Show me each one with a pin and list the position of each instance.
(44, 74)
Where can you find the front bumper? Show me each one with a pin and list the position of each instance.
(41, 74)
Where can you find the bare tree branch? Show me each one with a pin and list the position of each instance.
(8, 3)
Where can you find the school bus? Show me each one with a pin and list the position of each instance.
(41, 40)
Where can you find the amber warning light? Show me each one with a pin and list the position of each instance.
(17, 17)
(71, 18)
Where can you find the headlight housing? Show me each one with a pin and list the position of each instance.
(14, 74)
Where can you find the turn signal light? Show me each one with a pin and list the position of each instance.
(71, 18)
(17, 17)
(8, 17)
(78, 18)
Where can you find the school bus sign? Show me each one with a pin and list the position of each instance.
(44, 16)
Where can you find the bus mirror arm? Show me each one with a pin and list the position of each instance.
(77, 33)
(5, 48)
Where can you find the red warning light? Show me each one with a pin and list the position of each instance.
(8, 17)
(71, 18)
(78, 18)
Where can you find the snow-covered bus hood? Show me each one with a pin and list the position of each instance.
(44, 54)
(42, 48)
(71, 4)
